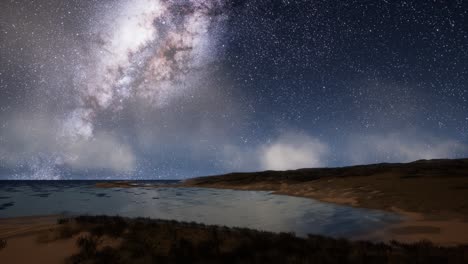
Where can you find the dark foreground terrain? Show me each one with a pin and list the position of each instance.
(103, 239)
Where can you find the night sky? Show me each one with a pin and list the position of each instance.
(183, 88)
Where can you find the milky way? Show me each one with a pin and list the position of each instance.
(182, 88)
(146, 48)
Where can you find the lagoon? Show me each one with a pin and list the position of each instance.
(259, 210)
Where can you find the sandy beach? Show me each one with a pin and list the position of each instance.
(24, 245)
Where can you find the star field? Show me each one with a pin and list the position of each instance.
(181, 88)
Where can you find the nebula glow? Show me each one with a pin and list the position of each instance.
(123, 52)
(151, 49)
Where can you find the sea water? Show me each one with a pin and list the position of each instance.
(252, 209)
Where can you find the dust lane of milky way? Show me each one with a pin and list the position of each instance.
(145, 48)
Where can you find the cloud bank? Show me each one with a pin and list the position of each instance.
(293, 151)
(290, 150)
(401, 146)
(36, 142)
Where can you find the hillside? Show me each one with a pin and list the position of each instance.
(431, 187)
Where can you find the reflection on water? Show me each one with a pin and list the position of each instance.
(252, 209)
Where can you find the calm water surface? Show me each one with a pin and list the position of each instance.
(252, 209)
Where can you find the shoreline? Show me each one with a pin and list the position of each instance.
(413, 227)
(417, 227)
(431, 195)
(444, 229)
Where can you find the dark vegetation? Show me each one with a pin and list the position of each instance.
(144, 240)
(62, 221)
(3, 244)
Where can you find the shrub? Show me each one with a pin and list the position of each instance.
(107, 255)
(62, 221)
(65, 232)
(88, 246)
(3, 244)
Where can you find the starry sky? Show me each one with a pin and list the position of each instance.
(161, 89)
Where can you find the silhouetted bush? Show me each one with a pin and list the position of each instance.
(3, 244)
(106, 255)
(62, 221)
(66, 231)
(88, 244)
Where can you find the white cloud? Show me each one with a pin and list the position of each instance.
(240, 159)
(36, 142)
(402, 146)
(293, 151)
(101, 151)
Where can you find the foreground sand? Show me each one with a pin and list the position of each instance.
(417, 227)
(23, 241)
(40, 239)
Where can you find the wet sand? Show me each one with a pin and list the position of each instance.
(37, 239)
(417, 227)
